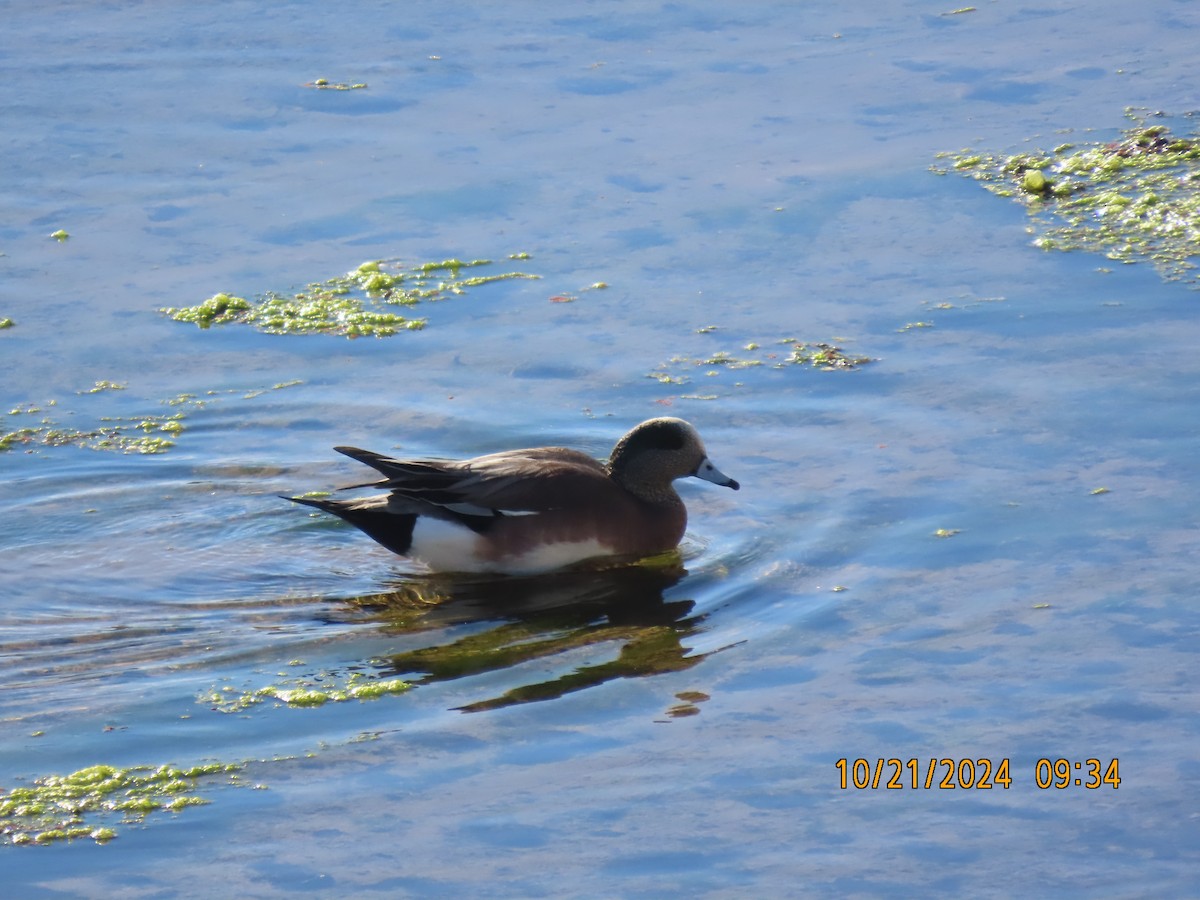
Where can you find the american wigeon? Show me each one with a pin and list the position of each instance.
(529, 511)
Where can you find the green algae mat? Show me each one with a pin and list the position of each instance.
(364, 302)
(37, 425)
(1136, 199)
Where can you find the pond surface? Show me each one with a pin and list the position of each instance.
(981, 545)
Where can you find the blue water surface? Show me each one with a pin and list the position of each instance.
(981, 545)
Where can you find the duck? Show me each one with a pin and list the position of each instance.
(529, 511)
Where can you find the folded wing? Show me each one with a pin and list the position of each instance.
(515, 482)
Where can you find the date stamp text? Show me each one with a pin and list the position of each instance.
(933, 773)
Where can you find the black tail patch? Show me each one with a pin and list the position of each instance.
(392, 530)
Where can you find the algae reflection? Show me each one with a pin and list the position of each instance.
(526, 620)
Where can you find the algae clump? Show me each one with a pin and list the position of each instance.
(144, 434)
(817, 355)
(324, 84)
(1136, 199)
(325, 687)
(55, 807)
(360, 303)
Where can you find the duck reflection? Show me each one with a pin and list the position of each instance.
(538, 619)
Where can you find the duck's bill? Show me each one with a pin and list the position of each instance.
(709, 472)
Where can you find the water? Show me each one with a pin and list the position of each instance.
(762, 170)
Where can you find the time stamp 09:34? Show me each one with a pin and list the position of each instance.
(973, 774)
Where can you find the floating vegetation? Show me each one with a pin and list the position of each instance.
(358, 304)
(571, 298)
(145, 434)
(788, 352)
(317, 690)
(7, 323)
(1134, 200)
(58, 807)
(966, 301)
(103, 386)
(824, 356)
(117, 435)
(324, 84)
(60, 236)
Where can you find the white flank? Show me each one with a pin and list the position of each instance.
(445, 546)
(448, 547)
(548, 557)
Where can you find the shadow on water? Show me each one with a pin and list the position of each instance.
(538, 619)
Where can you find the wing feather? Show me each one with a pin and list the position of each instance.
(512, 482)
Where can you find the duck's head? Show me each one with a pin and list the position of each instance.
(655, 453)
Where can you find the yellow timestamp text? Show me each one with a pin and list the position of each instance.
(946, 773)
